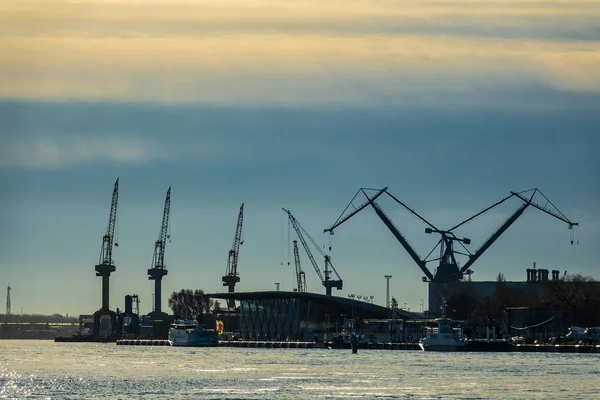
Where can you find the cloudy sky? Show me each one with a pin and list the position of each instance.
(296, 104)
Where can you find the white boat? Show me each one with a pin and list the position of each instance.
(192, 333)
(443, 337)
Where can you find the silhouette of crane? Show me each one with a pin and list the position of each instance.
(300, 275)
(326, 276)
(448, 269)
(231, 276)
(158, 270)
(106, 265)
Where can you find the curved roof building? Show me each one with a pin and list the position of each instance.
(281, 315)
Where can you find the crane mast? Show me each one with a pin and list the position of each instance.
(448, 269)
(107, 239)
(231, 276)
(325, 277)
(300, 275)
(157, 271)
(106, 265)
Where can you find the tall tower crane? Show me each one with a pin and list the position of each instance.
(157, 271)
(106, 264)
(231, 276)
(326, 276)
(448, 269)
(300, 275)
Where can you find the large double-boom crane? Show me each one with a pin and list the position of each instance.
(231, 276)
(300, 275)
(448, 269)
(106, 264)
(158, 270)
(329, 268)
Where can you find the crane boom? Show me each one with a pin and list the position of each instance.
(107, 240)
(413, 254)
(296, 227)
(158, 261)
(494, 236)
(300, 276)
(326, 281)
(235, 248)
(555, 214)
(341, 219)
(527, 202)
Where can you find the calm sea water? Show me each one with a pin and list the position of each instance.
(48, 370)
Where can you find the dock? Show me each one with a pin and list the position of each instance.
(143, 342)
(86, 339)
(475, 346)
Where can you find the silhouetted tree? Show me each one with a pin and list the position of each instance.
(189, 304)
(577, 292)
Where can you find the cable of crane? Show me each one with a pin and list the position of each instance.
(531, 326)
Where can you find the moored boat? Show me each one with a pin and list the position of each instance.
(192, 333)
(443, 337)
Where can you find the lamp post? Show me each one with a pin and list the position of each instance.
(387, 290)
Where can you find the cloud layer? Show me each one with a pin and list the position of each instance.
(299, 53)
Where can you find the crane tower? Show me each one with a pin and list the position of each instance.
(106, 265)
(231, 276)
(158, 270)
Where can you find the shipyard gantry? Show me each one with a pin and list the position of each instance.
(448, 269)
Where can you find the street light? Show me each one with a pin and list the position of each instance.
(387, 290)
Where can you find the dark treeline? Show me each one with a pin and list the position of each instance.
(38, 318)
(577, 293)
(189, 304)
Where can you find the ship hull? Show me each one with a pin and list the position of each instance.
(442, 347)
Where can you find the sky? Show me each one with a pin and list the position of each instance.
(297, 104)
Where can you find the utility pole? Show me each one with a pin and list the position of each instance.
(387, 290)
(7, 303)
(277, 286)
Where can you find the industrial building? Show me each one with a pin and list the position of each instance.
(282, 315)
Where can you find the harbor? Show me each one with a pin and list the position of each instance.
(459, 315)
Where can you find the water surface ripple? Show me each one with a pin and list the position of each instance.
(48, 370)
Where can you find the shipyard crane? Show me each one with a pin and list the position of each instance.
(326, 276)
(300, 275)
(106, 264)
(231, 276)
(448, 269)
(157, 271)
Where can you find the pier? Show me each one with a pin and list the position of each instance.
(475, 346)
